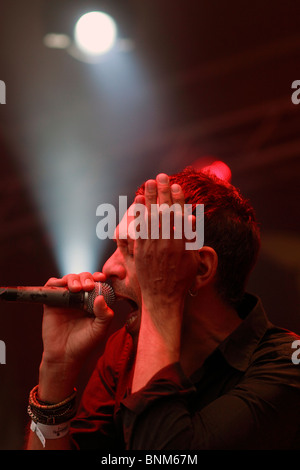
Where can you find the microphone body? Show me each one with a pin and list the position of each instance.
(59, 296)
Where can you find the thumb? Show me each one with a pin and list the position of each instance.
(102, 312)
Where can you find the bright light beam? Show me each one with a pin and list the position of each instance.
(64, 164)
(67, 190)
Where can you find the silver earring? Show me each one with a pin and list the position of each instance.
(193, 294)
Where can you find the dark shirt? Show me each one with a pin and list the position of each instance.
(245, 396)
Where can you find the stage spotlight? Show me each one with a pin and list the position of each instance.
(219, 169)
(88, 30)
(69, 171)
(95, 33)
(209, 165)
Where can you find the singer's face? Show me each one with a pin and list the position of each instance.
(120, 268)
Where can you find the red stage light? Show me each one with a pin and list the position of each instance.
(219, 169)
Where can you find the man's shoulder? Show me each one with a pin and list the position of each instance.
(269, 341)
(279, 339)
(276, 353)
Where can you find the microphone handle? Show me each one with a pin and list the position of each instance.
(58, 296)
(52, 296)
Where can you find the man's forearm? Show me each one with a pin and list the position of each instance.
(158, 347)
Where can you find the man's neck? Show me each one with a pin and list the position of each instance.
(206, 324)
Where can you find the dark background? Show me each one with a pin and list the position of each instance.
(206, 80)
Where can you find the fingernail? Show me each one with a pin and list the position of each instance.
(175, 188)
(162, 178)
(151, 185)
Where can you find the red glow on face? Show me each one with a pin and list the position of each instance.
(219, 169)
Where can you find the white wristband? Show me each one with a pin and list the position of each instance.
(49, 431)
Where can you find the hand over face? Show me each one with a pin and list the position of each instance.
(165, 268)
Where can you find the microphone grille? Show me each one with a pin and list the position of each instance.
(101, 288)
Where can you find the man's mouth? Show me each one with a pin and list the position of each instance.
(132, 323)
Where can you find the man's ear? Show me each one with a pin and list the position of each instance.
(207, 266)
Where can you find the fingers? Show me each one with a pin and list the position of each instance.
(77, 282)
(159, 196)
(160, 192)
(55, 282)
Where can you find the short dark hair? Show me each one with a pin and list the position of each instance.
(230, 228)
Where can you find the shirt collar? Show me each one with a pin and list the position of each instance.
(239, 346)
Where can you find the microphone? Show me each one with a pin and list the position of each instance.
(59, 296)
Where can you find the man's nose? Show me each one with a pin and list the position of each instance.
(114, 266)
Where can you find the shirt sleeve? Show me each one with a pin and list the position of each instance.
(261, 412)
(94, 425)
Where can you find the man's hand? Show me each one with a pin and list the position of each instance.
(164, 267)
(165, 271)
(69, 335)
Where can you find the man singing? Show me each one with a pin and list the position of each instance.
(197, 366)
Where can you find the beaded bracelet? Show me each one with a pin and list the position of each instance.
(51, 413)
